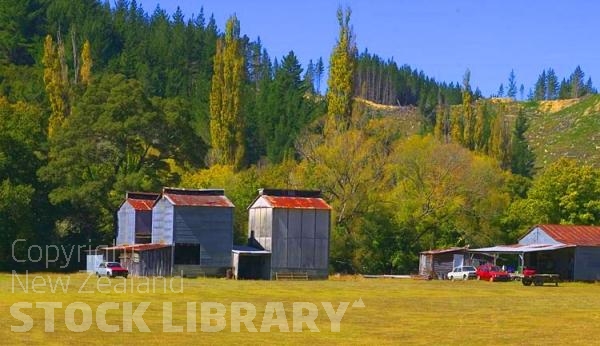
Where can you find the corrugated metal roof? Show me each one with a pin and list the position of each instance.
(297, 202)
(438, 251)
(141, 204)
(197, 198)
(141, 201)
(135, 247)
(199, 201)
(519, 248)
(573, 234)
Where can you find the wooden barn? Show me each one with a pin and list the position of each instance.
(199, 226)
(143, 259)
(571, 251)
(436, 264)
(135, 218)
(290, 229)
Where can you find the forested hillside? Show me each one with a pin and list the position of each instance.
(100, 98)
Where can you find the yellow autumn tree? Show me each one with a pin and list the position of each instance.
(86, 64)
(226, 120)
(56, 83)
(342, 64)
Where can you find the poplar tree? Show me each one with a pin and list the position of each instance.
(86, 64)
(56, 83)
(342, 64)
(226, 120)
(467, 109)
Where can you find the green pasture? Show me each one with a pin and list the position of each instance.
(396, 311)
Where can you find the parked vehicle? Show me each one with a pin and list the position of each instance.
(111, 269)
(492, 273)
(463, 273)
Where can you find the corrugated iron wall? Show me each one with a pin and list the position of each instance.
(301, 241)
(126, 222)
(210, 227)
(587, 263)
(162, 222)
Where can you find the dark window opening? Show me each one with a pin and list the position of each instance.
(187, 254)
(143, 238)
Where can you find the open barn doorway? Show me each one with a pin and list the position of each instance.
(251, 264)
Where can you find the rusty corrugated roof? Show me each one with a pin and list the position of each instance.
(438, 251)
(141, 204)
(141, 201)
(135, 247)
(197, 198)
(297, 202)
(573, 234)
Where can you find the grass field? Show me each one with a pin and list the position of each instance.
(396, 311)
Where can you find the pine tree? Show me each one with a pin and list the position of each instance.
(522, 158)
(319, 70)
(512, 85)
(522, 92)
(226, 121)
(501, 90)
(577, 86)
(540, 87)
(342, 64)
(564, 92)
(309, 76)
(589, 86)
(551, 85)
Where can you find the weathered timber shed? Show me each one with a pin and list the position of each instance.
(294, 226)
(572, 251)
(135, 218)
(199, 225)
(436, 264)
(143, 259)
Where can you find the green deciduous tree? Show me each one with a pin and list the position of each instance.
(566, 192)
(117, 139)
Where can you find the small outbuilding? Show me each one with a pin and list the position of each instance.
(143, 259)
(436, 264)
(290, 229)
(135, 218)
(199, 226)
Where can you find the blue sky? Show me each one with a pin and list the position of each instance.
(442, 38)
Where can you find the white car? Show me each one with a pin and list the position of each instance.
(111, 269)
(463, 273)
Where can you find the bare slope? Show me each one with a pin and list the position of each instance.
(565, 128)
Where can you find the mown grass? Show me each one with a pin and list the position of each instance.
(397, 311)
